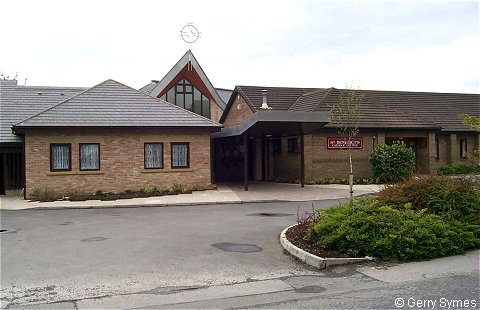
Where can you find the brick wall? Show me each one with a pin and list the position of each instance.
(215, 111)
(321, 162)
(238, 113)
(121, 160)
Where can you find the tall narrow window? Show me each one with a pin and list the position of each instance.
(153, 156)
(277, 146)
(180, 155)
(89, 156)
(60, 157)
(186, 96)
(463, 148)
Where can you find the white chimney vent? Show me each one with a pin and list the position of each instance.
(265, 100)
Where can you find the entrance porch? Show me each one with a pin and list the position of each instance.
(247, 151)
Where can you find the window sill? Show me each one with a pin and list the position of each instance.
(92, 172)
(167, 170)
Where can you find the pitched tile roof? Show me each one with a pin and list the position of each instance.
(19, 102)
(376, 114)
(387, 109)
(224, 94)
(279, 98)
(147, 89)
(112, 104)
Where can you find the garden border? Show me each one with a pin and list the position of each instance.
(313, 260)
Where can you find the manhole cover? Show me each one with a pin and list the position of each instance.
(270, 214)
(93, 239)
(310, 289)
(237, 247)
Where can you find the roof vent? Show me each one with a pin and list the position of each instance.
(265, 100)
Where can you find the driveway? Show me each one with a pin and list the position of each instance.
(52, 255)
(209, 256)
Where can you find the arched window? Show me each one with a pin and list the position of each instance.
(186, 96)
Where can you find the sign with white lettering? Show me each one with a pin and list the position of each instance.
(344, 143)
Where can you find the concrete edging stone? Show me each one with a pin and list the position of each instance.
(313, 260)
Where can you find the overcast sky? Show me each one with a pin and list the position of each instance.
(419, 46)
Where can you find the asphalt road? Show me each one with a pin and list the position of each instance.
(219, 256)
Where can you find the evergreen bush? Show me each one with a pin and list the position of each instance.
(452, 169)
(451, 198)
(392, 163)
(370, 228)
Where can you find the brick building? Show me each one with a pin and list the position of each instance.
(181, 129)
(426, 122)
(109, 137)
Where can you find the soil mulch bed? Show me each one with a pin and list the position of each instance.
(296, 236)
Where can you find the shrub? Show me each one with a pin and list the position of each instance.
(45, 195)
(392, 163)
(177, 188)
(458, 169)
(451, 198)
(150, 189)
(370, 228)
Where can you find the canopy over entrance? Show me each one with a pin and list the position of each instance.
(251, 138)
(276, 123)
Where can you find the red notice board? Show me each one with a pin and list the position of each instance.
(343, 143)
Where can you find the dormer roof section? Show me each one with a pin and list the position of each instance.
(189, 68)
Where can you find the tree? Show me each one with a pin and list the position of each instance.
(474, 123)
(470, 121)
(345, 115)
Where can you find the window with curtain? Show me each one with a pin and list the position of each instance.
(180, 155)
(60, 158)
(89, 156)
(153, 155)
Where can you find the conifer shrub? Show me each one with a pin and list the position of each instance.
(392, 163)
(369, 228)
(450, 198)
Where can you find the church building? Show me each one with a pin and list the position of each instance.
(181, 129)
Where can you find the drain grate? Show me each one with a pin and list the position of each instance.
(237, 247)
(270, 214)
(93, 239)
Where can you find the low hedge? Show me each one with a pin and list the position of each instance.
(450, 198)
(367, 227)
(453, 169)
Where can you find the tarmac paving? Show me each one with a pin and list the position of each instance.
(225, 193)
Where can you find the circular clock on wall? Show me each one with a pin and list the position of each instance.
(189, 33)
